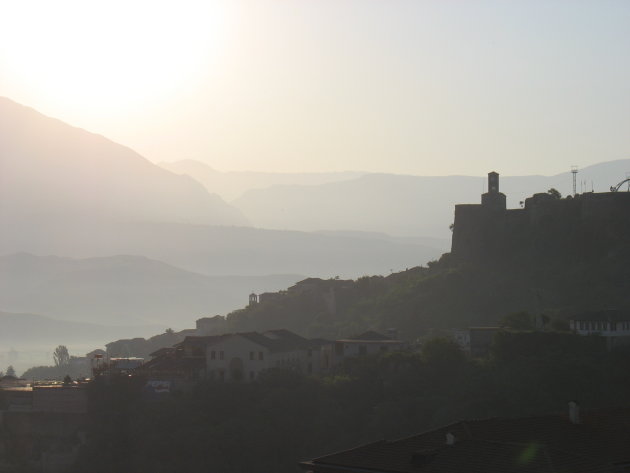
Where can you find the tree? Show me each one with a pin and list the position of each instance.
(61, 356)
(553, 192)
(10, 371)
(67, 380)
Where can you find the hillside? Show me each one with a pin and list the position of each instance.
(55, 173)
(122, 290)
(559, 258)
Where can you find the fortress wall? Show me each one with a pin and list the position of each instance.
(613, 206)
(544, 226)
(477, 229)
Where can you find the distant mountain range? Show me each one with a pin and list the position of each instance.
(123, 290)
(78, 196)
(67, 192)
(52, 172)
(400, 205)
(30, 329)
(233, 184)
(216, 251)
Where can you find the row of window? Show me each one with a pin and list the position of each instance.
(252, 355)
(600, 326)
(213, 355)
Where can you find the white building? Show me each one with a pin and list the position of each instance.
(243, 356)
(614, 325)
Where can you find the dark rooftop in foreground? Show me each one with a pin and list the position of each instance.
(546, 444)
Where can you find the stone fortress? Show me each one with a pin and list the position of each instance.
(545, 222)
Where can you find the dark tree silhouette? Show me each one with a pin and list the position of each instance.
(61, 356)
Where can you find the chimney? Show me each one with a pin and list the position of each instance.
(574, 412)
(450, 439)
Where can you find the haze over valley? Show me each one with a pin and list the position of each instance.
(96, 234)
(237, 236)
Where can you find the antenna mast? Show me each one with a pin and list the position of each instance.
(574, 171)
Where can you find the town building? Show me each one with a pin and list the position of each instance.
(594, 442)
(210, 325)
(475, 341)
(235, 357)
(368, 343)
(614, 325)
(44, 425)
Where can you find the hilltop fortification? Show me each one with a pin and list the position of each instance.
(590, 224)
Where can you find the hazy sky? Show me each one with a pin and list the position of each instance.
(422, 87)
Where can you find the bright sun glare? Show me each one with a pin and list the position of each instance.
(107, 54)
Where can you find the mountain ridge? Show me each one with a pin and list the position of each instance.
(55, 170)
(121, 289)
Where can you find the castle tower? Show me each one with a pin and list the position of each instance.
(493, 182)
(493, 199)
(253, 299)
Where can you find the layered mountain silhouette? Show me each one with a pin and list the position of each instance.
(20, 329)
(233, 184)
(403, 205)
(123, 290)
(67, 192)
(51, 172)
(215, 251)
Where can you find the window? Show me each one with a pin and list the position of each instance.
(222, 375)
(251, 355)
(310, 368)
(213, 355)
(260, 355)
(384, 347)
(339, 349)
(252, 375)
(221, 355)
(310, 352)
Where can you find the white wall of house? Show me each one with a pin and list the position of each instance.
(603, 328)
(236, 352)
